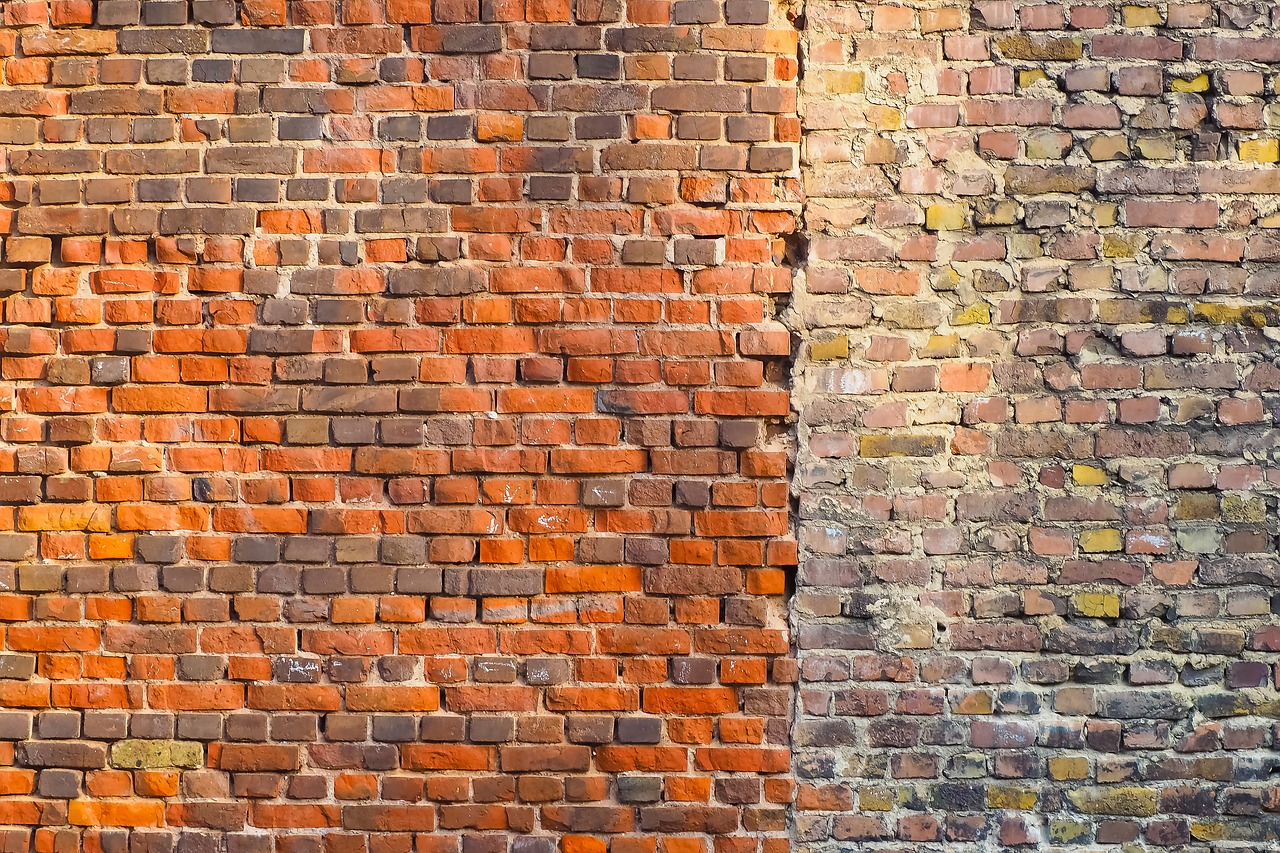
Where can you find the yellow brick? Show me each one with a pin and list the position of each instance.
(1041, 146)
(874, 800)
(1240, 509)
(1157, 148)
(1087, 475)
(832, 350)
(884, 118)
(884, 446)
(1118, 246)
(1026, 246)
(1195, 506)
(840, 82)
(1142, 16)
(942, 346)
(1208, 831)
(148, 754)
(946, 278)
(1022, 46)
(1229, 315)
(1106, 215)
(1097, 605)
(999, 213)
(1218, 315)
(1011, 798)
(1066, 831)
(1195, 84)
(1127, 802)
(1100, 541)
(1027, 79)
(1069, 768)
(1260, 151)
(974, 314)
(945, 216)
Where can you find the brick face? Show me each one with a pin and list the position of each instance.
(1036, 399)
(392, 426)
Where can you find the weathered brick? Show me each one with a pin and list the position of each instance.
(257, 41)
(148, 754)
(885, 463)
(80, 755)
(19, 102)
(73, 42)
(63, 221)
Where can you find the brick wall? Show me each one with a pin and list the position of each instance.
(396, 415)
(1038, 477)
(391, 428)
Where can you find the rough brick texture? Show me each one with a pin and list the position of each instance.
(392, 452)
(1037, 393)
(396, 409)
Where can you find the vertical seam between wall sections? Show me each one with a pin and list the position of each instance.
(1035, 391)
(797, 257)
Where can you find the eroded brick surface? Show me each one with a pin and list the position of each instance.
(391, 427)
(1037, 479)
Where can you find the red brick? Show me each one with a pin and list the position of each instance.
(287, 443)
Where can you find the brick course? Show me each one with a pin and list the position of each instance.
(391, 428)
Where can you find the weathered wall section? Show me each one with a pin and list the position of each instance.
(1038, 478)
(391, 425)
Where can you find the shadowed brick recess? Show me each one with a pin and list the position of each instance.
(393, 451)
(1037, 479)
(632, 426)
